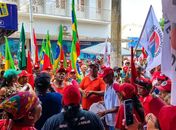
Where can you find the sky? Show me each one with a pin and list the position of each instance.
(134, 13)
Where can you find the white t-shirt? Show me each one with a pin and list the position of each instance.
(111, 101)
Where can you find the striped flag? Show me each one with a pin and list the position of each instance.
(42, 50)
(36, 48)
(9, 63)
(75, 48)
(59, 50)
(48, 58)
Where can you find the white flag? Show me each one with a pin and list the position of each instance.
(151, 39)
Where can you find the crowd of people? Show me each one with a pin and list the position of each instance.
(94, 99)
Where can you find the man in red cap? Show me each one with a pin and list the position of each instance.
(73, 117)
(92, 87)
(111, 101)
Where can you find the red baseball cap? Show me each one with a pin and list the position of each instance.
(24, 73)
(71, 95)
(61, 70)
(126, 89)
(165, 86)
(107, 71)
(167, 118)
(36, 66)
(72, 71)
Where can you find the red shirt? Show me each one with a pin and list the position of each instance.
(91, 85)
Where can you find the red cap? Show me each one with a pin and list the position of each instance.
(24, 73)
(71, 95)
(107, 71)
(61, 70)
(36, 66)
(165, 86)
(126, 89)
(61, 61)
(72, 71)
(103, 67)
(125, 68)
(167, 118)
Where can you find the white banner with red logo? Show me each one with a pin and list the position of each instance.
(151, 39)
(168, 65)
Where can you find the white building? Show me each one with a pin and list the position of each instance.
(93, 17)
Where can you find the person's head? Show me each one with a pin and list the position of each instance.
(83, 68)
(36, 69)
(72, 74)
(125, 91)
(144, 86)
(94, 67)
(108, 75)
(11, 76)
(23, 107)
(61, 74)
(42, 82)
(23, 77)
(126, 63)
(139, 70)
(164, 88)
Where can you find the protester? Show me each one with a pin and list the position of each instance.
(83, 70)
(92, 87)
(117, 74)
(59, 81)
(73, 117)
(51, 101)
(22, 111)
(127, 91)
(23, 81)
(165, 89)
(111, 101)
(73, 78)
(9, 85)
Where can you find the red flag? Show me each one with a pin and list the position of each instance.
(144, 53)
(29, 70)
(36, 48)
(133, 69)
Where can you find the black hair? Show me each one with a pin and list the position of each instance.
(42, 82)
(71, 112)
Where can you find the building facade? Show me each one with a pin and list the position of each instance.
(93, 18)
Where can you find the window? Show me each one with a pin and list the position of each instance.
(80, 5)
(60, 4)
(37, 2)
(99, 6)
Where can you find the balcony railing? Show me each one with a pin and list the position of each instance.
(51, 7)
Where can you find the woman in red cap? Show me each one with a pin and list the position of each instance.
(127, 91)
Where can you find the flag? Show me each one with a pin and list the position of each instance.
(59, 50)
(168, 66)
(42, 50)
(9, 63)
(29, 70)
(133, 69)
(106, 56)
(152, 39)
(22, 52)
(48, 58)
(36, 48)
(75, 48)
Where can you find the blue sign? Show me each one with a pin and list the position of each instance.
(8, 16)
(133, 42)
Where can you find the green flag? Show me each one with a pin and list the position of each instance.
(22, 52)
(9, 63)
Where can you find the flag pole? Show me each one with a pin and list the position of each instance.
(143, 28)
(31, 31)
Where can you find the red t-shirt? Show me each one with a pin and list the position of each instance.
(91, 85)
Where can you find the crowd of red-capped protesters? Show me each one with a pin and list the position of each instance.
(61, 101)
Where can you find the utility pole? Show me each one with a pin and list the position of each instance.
(116, 58)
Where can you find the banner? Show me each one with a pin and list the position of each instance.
(151, 39)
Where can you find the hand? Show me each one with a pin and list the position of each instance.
(134, 126)
(89, 93)
(151, 121)
(84, 94)
(101, 114)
